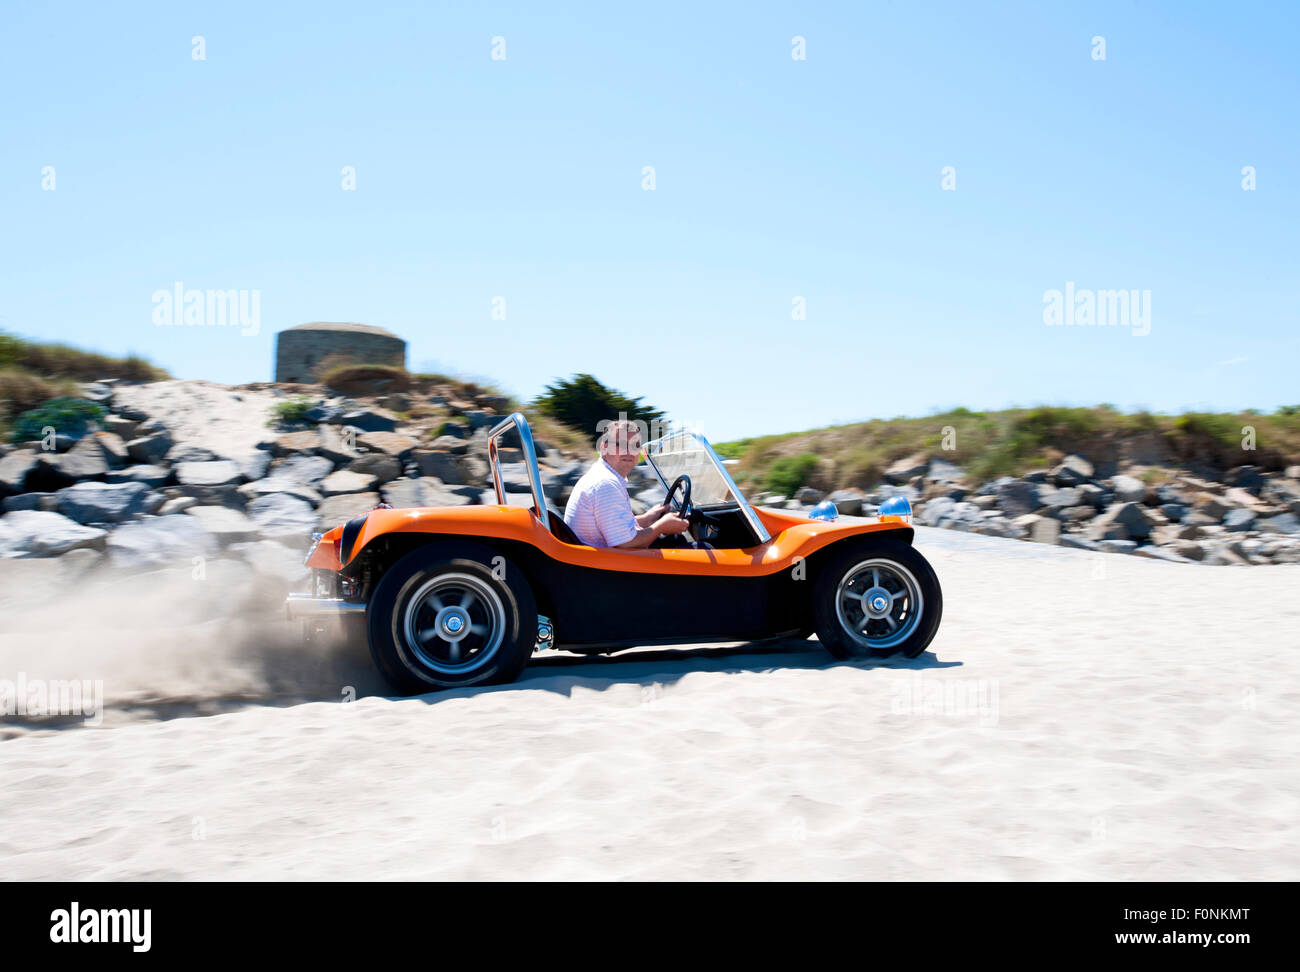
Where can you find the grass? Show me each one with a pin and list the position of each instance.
(34, 372)
(1014, 441)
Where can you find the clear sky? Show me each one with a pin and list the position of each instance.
(775, 178)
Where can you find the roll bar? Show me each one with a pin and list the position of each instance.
(515, 420)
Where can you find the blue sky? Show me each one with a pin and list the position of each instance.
(775, 178)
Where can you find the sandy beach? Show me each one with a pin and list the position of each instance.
(1080, 716)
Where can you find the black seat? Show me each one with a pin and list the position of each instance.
(561, 529)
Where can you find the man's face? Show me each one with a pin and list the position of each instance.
(623, 452)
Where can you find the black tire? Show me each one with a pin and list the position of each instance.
(905, 564)
(404, 608)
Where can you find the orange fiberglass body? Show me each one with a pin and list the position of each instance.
(464, 595)
(792, 537)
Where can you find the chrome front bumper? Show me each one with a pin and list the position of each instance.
(305, 606)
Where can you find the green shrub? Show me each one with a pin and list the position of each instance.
(789, 473)
(292, 410)
(67, 416)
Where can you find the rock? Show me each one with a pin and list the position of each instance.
(450, 443)
(160, 541)
(1078, 514)
(1222, 556)
(1017, 498)
(120, 426)
(458, 430)
(847, 501)
(228, 496)
(1079, 543)
(479, 419)
(276, 487)
(388, 443)
(808, 496)
(218, 472)
(369, 420)
(441, 465)
(1117, 546)
(253, 465)
(1283, 523)
(97, 391)
(901, 470)
(1036, 476)
(337, 510)
(342, 481)
(103, 450)
(284, 518)
(1128, 489)
(1175, 511)
(1239, 520)
(1249, 478)
(1063, 497)
(1188, 549)
(1094, 495)
(106, 502)
(291, 443)
(942, 471)
(30, 501)
(427, 491)
(37, 533)
(1121, 522)
(307, 470)
(383, 468)
(1160, 553)
(338, 448)
(152, 476)
(1040, 529)
(189, 452)
(14, 470)
(226, 525)
(178, 504)
(1210, 506)
(1072, 471)
(149, 448)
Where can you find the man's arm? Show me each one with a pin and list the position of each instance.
(651, 515)
(667, 524)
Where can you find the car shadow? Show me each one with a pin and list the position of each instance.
(561, 671)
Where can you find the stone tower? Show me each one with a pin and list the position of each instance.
(300, 350)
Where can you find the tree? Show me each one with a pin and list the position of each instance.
(582, 403)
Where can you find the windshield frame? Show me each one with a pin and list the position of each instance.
(656, 447)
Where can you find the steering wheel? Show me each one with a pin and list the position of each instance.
(687, 510)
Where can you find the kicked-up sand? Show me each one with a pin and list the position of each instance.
(1079, 716)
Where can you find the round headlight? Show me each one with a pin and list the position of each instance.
(896, 509)
(825, 510)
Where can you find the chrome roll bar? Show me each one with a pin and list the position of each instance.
(515, 420)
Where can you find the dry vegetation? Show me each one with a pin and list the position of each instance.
(991, 444)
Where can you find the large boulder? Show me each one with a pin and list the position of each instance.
(1283, 523)
(160, 541)
(1123, 521)
(1129, 489)
(383, 468)
(150, 448)
(1072, 471)
(426, 491)
(218, 472)
(337, 510)
(14, 470)
(441, 465)
(307, 470)
(847, 501)
(36, 533)
(283, 518)
(1017, 497)
(901, 470)
(388, 443)
(1239, 520)
(342, 481)
(369, 420)
(106, 502)
(152, 476)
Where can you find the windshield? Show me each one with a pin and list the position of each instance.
(683, 453)
(690, 454)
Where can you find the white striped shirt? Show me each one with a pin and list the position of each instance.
(599, 510)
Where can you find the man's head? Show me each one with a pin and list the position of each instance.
(620, 446)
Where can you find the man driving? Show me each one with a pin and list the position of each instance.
(599, 510)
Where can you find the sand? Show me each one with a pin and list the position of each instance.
(1079, 717)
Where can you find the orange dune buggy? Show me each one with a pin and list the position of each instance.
(459, 596)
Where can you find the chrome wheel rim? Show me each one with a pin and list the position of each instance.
(879, 603)
(454, 623)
